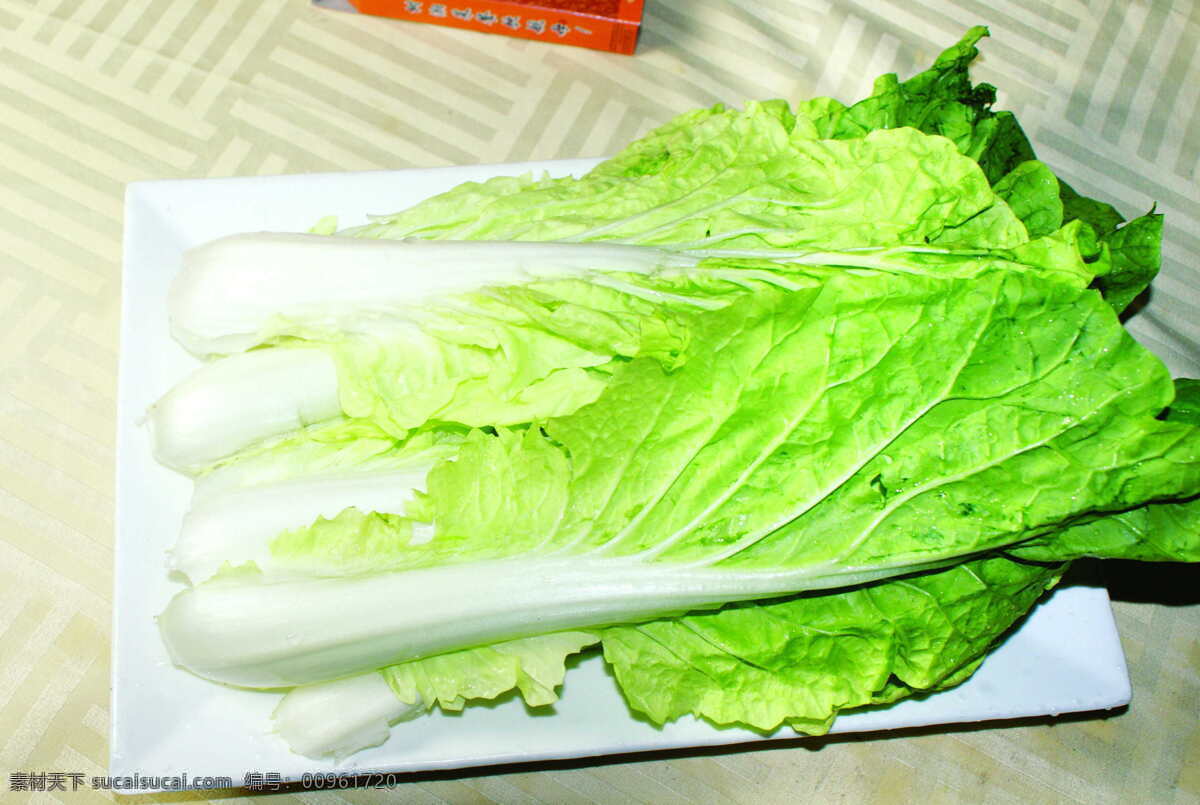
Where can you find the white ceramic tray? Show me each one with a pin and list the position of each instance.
(1065, 658)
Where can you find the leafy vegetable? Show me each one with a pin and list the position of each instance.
(336, 719)
(243, 400)
(794, 409)
(1158, 532)
(831, 438)
(247, 511)
(339, 718)
(413, 340)
(802, 660)
(942, 100)
(502, 333)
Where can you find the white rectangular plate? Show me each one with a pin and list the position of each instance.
(1065, 658)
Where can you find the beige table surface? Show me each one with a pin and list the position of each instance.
(97, 93)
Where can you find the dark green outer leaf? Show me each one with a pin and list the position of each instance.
(1136, 254)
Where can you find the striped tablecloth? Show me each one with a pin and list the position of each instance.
(97, 93)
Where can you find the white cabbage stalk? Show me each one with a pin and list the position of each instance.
(284, 634)
(333, 720)
(235, 526)
(231, 403)
(231, 289)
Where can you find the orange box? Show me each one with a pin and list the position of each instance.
(610, 25)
